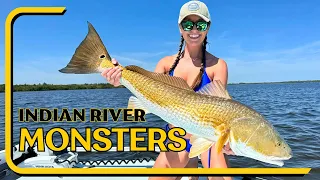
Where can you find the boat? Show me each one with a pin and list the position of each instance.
(67, 159)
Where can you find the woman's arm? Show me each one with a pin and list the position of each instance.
(113, 75)
(219, 160)
(221, 72)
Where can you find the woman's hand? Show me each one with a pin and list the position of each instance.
(227, 150)
(112, 74)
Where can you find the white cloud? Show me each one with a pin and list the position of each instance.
(177, 43)
(128, 60)
(299, 63)
(223, 35)
(40, 71)
(147, 60)
(141, 55)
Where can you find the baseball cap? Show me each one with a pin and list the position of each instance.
(195, 7)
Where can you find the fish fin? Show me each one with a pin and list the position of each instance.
(223, 137)
(221, 141)
(88, 55)
(215, 88)
(199, 145)
(135, 103)
(165, 78)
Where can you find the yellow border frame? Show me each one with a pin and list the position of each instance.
(92, 171)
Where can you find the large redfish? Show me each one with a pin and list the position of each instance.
(210, 115)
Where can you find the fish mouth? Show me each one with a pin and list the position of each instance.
(286, 156)
(275, 162)
(241, 149)
(280, 158)
(272, 159)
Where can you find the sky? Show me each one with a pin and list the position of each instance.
(260, 41)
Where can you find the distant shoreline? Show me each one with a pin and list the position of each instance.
(50, 87)
(305, 81)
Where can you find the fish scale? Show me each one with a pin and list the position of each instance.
(192, 113)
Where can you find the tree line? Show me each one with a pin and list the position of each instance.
(47, 87)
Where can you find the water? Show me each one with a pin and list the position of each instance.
(293, 108)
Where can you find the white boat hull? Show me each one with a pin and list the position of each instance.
(70, 160)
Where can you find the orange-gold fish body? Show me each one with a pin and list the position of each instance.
(210, 115)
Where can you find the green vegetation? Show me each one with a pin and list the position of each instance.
(47, 87)
(306, 81)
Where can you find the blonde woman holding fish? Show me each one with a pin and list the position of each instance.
(197, 67)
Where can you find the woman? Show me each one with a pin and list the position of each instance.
(198, 67)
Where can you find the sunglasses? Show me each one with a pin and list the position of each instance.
(188, 25)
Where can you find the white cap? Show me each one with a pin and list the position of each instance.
(194, 7)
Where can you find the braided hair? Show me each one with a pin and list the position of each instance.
(179, 55)
(197, 81)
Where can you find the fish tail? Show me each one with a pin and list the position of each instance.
(91, 56)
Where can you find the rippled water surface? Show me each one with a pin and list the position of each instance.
(294, 109)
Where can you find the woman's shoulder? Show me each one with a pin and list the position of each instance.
(214, 62)
(165, 63)
(168, 59)
(216, 66)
